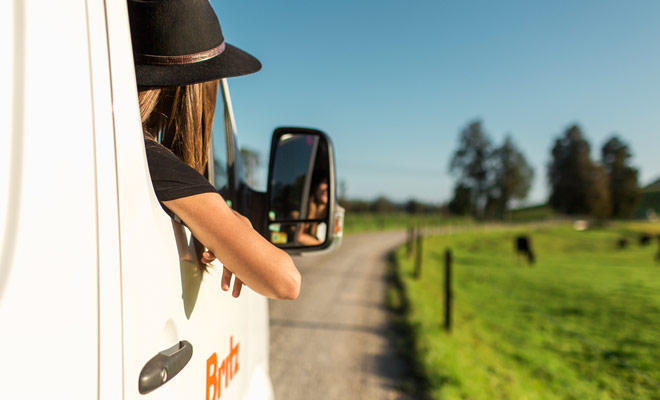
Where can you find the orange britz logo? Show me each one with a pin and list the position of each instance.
(228, 369)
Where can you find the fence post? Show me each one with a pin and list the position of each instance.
(409, 241)
(419, 253)
(448, 294)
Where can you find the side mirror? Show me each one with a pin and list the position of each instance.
(303, 214)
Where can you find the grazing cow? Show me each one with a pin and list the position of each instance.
(622, 243)
(644, 239)
(524, 247)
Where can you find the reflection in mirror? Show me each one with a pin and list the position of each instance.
(298, 202)
(309, 233)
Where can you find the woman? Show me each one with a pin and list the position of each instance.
(313, 233)
(180, 54)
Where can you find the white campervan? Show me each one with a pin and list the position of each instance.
(101, 294)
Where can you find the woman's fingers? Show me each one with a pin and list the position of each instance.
(225, 282)
(226, 279)
(238, 285)
(208, 257)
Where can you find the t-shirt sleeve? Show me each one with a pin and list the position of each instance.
(172, 178)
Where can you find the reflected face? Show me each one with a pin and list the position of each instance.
(321, 193)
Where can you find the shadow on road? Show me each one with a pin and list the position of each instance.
(402, 335)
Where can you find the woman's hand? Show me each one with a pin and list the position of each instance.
(208, 257)
(263, 267)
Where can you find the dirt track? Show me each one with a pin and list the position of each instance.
(334, 341)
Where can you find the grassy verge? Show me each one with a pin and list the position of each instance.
(414, 383)
(582, 323)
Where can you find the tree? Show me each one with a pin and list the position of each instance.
(623, 185)
(413, 206)
(342, 191)
(471, 164)
(578, 185)
(251, 161)
(488, 179)
(599, 200)
(461, 204)
(383, 205)
(512, 178)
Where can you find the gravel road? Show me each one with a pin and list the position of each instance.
(333, 341)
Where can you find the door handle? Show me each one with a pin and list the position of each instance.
(164, 366)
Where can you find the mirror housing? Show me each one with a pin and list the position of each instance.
(302, 211)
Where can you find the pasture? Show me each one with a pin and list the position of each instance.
(582, 323)
(533, 213)
(370, 222)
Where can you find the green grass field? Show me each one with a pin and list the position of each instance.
(532, 213)
(369, 222)
(582, 323)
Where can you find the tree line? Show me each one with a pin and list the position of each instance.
(490, 177)
(384, 205)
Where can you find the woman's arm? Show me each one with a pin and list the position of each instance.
(257, 263)
(307, 239)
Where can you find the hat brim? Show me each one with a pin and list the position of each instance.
(232, 62)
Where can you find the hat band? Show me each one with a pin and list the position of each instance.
(180, 60)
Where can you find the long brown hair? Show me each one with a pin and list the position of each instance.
(181, 119)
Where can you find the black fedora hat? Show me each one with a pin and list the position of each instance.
(179, 42)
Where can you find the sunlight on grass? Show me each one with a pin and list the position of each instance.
(371, 222)
(569, 327)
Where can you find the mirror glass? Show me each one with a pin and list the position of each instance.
(299, 191)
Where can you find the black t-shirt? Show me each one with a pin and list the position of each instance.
(171, 177)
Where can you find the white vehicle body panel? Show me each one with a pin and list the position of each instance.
(49, 291)
(95, 278)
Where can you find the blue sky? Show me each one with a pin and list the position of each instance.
(394, 82)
